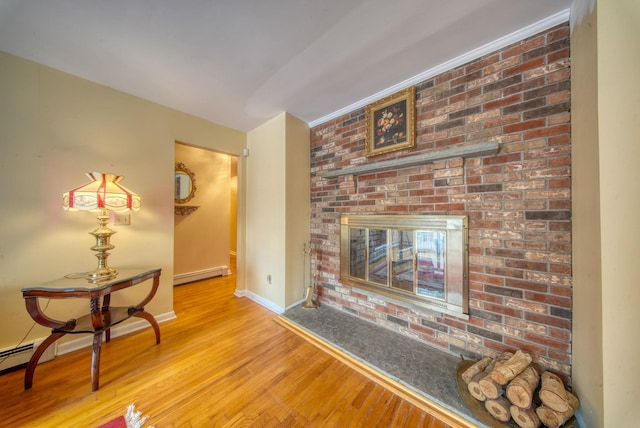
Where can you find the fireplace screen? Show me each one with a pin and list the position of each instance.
(418, 259)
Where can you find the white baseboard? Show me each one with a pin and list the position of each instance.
(299, 302)
(199, 275)
(86, 341)
(264, 302)
(260, 300)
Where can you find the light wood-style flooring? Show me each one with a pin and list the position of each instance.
(223, 362)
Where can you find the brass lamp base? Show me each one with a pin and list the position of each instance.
(103, 235)
(309, 303)
(101, 275)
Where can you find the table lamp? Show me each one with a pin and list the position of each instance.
(104, 193)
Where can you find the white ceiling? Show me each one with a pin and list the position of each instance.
(241, 62)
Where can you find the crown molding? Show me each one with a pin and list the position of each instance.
(500, 43)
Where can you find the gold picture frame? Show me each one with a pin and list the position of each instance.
(390, 123)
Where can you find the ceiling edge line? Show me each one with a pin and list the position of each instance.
(493, 46)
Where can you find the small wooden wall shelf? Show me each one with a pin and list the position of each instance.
(185, 209)
(468, 151)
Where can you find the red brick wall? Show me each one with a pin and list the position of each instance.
(518, 201)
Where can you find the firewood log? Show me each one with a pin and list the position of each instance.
(525, 418)
(521, 389)
(504, 372)
(476, 368)
(498, 408)
(474, 387)
(551, 418)
(554, 395)
(490, 388)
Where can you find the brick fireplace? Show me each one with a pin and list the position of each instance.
(518, 201)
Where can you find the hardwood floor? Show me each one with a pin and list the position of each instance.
(223, 362)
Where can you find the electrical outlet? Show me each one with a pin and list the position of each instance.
(121, 219)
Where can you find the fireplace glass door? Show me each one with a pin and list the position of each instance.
(378, 257)
(358, 248)
(418, 259)
(402, 260)
(430, 264)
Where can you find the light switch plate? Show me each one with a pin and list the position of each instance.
(121, 219)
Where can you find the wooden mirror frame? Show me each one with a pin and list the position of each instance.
(182, 169)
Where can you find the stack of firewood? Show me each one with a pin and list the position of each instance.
(508, 386)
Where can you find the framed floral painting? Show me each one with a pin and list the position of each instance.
(390, 123)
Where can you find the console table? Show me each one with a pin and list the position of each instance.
(100, 319)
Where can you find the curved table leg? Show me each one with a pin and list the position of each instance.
(106, 314)
(33, 362)
(152, 321)
(95, 361)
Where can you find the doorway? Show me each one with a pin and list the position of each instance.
(205, 222)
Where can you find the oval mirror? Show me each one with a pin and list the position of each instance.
(185, 184)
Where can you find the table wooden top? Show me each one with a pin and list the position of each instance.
(79, 282)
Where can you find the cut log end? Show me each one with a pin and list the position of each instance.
(551, 418)
(521, 389)
(554, 395)
(490, 388)
(498, 408)
(476, 392)
(474, 388)
(525, 418)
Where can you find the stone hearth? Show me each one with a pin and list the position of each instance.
(422, 368)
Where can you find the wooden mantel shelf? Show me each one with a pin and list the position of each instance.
(468, 151)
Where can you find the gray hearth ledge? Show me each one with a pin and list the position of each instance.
(419, 367)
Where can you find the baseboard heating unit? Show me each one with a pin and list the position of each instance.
(18, 355)
(201, 274)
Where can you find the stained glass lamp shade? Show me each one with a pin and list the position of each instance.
(103, 193)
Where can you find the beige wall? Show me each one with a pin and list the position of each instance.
(587, 307)
(298, 208)
(619, 142)
(202, 237)
(54, 128)
(266, 211)
(606, 233)
(233, 219)
(277, 210)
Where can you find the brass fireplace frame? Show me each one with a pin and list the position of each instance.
(357, 233)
